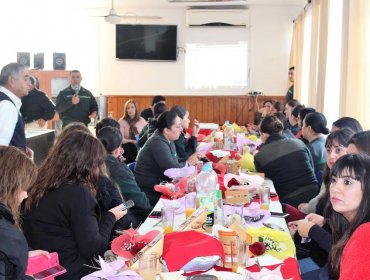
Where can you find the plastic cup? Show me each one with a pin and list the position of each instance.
(190, 201)
(168, 216)
(264, 194)
(148, 266)
(239, 254)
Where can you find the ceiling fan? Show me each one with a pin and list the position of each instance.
(114, 18)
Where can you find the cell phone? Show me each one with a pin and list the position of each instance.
(279, 215)
(155, 214)
(127, 204)
(273, 226)
(49, 272)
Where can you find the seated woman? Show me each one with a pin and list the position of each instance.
(287, 163)
(301, 115)
(349, 220)
(157, 155)
(61, 212)
(149, 129)
(314, 126)
(186, 148)
(293, 120)
(360, 143)
(131, 125)
(17, 174)
(119, 172)
(286, 131)
(347, 122)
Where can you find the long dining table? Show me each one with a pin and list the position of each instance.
(289, 267)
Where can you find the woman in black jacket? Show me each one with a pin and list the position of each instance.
(17, 174)
(119, 173)
(287, 162)
(186, 148)
(61, 213)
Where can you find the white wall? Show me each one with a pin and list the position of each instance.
(89, 44)
(269, 44)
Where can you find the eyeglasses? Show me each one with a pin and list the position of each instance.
(337, 149)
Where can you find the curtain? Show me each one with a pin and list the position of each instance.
(356, 99)
(296, 54)
(312, 80)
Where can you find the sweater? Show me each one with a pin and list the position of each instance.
(288, 164)
(67, 220)
(13, 247)
(125, 128)
(157, 155)
(355, 261)
(185, 148)
(318, 153)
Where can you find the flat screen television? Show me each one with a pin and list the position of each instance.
(146, 42)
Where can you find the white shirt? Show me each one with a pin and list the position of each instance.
(8, 116)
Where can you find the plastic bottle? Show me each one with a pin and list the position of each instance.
(219, 209)
(207, 186)
(228, 136)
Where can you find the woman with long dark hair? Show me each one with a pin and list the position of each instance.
(360, 143)
(158, 154)
(131, 125)
(287, 163)
(61, 213)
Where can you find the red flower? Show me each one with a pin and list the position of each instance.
(257, 248)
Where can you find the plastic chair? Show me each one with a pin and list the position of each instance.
(131, 166)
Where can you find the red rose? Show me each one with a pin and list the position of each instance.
(233, 182)
(257, 248)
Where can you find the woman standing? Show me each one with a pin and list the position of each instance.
(158, 154)
(131, 125)
(61, 213)
(287, 163)
(17, 174)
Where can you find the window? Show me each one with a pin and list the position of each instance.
(212, 66)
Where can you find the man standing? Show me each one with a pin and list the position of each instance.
(75, 103)
(13, 86)
(290, 93)
(148, 112)
(36, 108)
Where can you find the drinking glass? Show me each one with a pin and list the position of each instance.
(264, 197)
(239, 254)
(189, 204)
(168, 216)
(148, 266)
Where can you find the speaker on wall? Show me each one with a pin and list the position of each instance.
(59, 61)
(23, 58)
(38, 60)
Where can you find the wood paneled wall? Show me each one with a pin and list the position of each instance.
(208, 109)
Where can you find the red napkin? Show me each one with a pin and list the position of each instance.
(169, 193)
(233, 155)
(179, 248)
(219, 168)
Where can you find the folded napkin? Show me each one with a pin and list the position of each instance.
(180, 248)
(205, 147)
(177, 173)
(173, 191)
(116, 270)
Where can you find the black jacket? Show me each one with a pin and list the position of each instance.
(67, 220)
(287, 162)
(13, 248)
(36, 105)
(80, 112)
(185, 148)
(125, 179)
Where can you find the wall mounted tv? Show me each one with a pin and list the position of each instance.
(146, 42)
